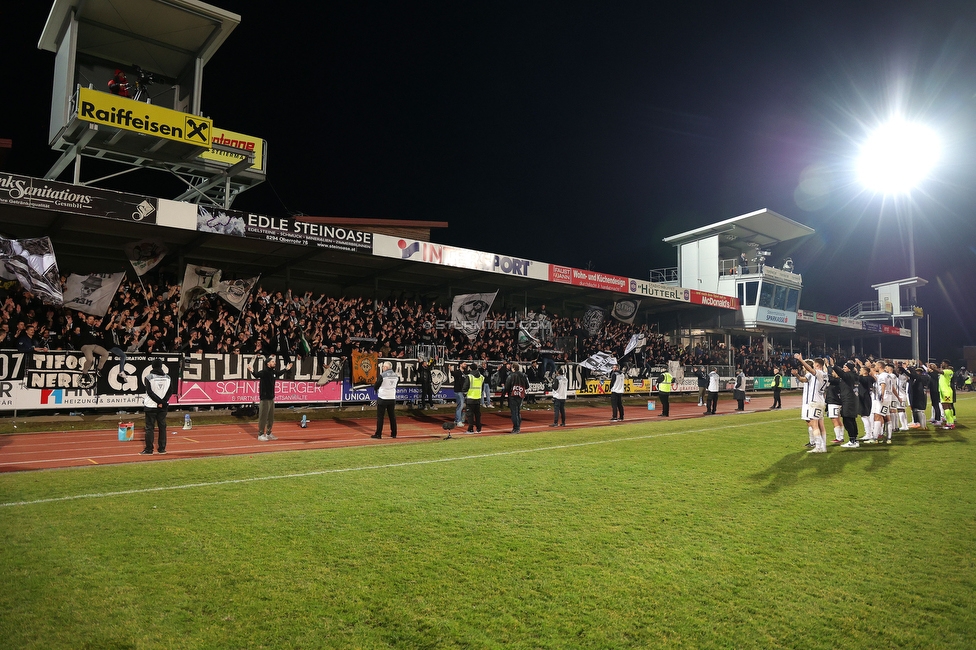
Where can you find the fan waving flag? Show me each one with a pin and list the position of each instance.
(31, 262)
(93, 293)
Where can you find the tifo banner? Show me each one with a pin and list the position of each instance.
(364, 368)
(93, 293)
(285, 230)
(422, 251)
(31, 262)
(111, 110)
(43, 194)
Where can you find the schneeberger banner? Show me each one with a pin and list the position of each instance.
(122, 113)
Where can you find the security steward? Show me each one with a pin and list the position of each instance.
(664, 385)
(472, 397)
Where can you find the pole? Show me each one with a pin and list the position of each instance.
(911, 274)
(928, 337)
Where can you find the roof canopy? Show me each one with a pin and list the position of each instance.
(760, 228)
(166, 35)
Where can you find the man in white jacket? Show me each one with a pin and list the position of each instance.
(385, 388)
(159, 388)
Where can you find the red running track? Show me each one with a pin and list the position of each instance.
(48, 450)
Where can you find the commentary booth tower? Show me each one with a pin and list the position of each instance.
(128, 83)
(730, 258)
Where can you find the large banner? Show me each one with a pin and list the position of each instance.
(423, 251)
(43, 194)
(107, 109)
(284, 230)
(32, 263)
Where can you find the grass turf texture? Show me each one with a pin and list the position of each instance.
(715, 532)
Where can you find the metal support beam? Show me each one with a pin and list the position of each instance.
(71, 153)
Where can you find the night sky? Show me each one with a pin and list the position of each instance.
(584, 133)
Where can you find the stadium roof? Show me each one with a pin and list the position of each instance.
(90, 244)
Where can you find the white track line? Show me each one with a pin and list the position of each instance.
(101, 495)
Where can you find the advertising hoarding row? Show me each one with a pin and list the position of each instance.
(420, 251)
(808, 316)
(52, 381)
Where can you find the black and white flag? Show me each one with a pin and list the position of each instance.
(636, 342)
(593, 320)
(625, 310)
(236, 291)
(31, 262)
(93, 293)
(145, 255)
(469, 311)
(332, 373)
(601, 363)
(199, 281)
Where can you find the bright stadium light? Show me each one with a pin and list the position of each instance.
(897, 157)
(894, 160)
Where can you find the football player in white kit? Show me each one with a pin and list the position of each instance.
(901, 384)
(814, 382)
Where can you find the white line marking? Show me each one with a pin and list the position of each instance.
(101, 495)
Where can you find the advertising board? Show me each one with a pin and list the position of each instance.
(430, 253)
(29, 192)
(106, 109)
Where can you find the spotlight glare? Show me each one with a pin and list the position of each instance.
(897, 157)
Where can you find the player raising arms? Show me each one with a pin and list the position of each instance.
(814, 382)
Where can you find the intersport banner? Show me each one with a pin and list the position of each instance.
(421, 251)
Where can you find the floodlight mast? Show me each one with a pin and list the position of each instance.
(894, 160)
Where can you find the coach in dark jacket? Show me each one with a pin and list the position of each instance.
(848, 399)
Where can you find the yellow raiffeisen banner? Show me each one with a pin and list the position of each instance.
(238, 140)
(122, 113)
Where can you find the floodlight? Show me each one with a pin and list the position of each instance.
(897, 157)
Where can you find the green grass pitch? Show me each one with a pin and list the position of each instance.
(707, 533)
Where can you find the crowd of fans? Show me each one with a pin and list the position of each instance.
(144, 319)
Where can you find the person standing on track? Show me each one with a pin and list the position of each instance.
(471, 390)
(702, 375)
(739, 391)
(459, 379)
(559, 398)
(426, 385)
(516, 385)
(617, 393)
(159, 388)
(385, 388)
(777, 389)
(266, 393)
(711, 403)
(665, 382)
